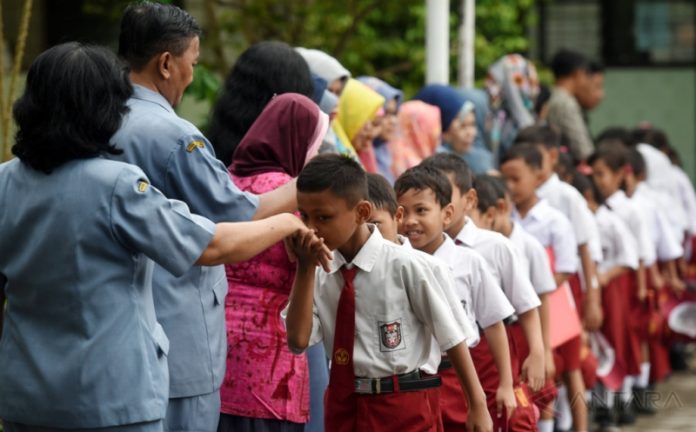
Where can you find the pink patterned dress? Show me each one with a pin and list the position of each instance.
(263, 378)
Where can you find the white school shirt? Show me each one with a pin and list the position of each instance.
(508, 270)
(552, 229)
(537, 259)
(624, 208)
(452, 297)
(667, 243)
(475, 286)
(619, 246)
(399, 306)
(687, 197)
(660, 178)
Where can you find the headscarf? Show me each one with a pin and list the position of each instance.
(420, 135)
(513, 87)
(282, 139)
(480, 157)
(323, 65)
(320, 85)
(385, 90)
(357, 105)
(449, 100)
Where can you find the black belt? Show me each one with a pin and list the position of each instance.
(445, 364)
(411, 381)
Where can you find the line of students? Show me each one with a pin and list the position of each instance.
(529, 313)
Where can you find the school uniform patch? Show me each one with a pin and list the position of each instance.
(391, 338)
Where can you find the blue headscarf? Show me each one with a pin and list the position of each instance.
(320, 85)
(385, 90)
(449, 100)
(480, 158)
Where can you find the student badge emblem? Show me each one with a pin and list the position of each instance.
(390, 335)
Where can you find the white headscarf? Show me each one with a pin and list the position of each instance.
(323, 65)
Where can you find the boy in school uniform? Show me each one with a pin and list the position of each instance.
(620, 254)
(565, 198)
(521, 168)
(502, 259)
(493, 211)
(376, 311)
(424, 194)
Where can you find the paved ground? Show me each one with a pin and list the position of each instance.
(677, 402)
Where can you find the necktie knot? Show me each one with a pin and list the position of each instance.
(348, 274)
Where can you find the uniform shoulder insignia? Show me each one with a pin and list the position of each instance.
(194, 145)
(142, 186)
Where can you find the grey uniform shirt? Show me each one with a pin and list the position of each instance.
(180, 162)
(81, 347)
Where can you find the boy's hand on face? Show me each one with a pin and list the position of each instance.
(533, 372)
(309, 250)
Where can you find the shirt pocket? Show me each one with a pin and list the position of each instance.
(161, 341)
(220, 289)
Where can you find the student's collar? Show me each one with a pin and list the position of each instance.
(445, 248)
(404, 241)
(548, 184)
(616, 199)
(367, 255)
(468, 233)
(144, 93)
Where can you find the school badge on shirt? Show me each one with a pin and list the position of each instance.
(390, 336)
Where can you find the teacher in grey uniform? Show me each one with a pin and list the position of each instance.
(160, 43)
(80, 346)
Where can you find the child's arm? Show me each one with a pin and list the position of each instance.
(561, 278)
(592, 309)
(300, 311)
(549, 365)
(479, 419)
(675, 281)
(641, 281)
(533, 365)
(498, 344)
(655, 277)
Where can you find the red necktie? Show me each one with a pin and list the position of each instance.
(340, 401)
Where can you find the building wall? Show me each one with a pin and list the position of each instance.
(666, 97)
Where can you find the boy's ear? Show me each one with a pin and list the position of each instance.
(491, 212)
(471, 200)
(447, 215)
(502, 205)
(399, 216)
(364, 211)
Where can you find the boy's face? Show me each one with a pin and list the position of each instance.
(387, 224)
(424, 219)
(331, 216)
(462, 202)
(607, 180)
(461, 133)
(522, 180)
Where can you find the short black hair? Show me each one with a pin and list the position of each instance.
(615, 157)
(566, 62)
(614, 134)
(584, 183)
(487, 191)
(637, 162)
(422, 177)
(448, 163)
(539, 135)
(341, 175)
(264, 70)
(529, 153)
(149, 29)
(381, 194)
(653, 136)
(594, 67)
(73, 103)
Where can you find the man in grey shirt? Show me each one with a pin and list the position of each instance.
(564, 111)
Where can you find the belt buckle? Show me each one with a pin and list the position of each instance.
(363, 385)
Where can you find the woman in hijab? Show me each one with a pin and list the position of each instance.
(420, 134)
(457, 118)
(326, 67)
(480, 158)
(262, 71)
(354, 125)
(389, 123)
(266, 385)
(512, 87)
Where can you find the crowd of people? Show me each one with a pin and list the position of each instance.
(330, 256)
